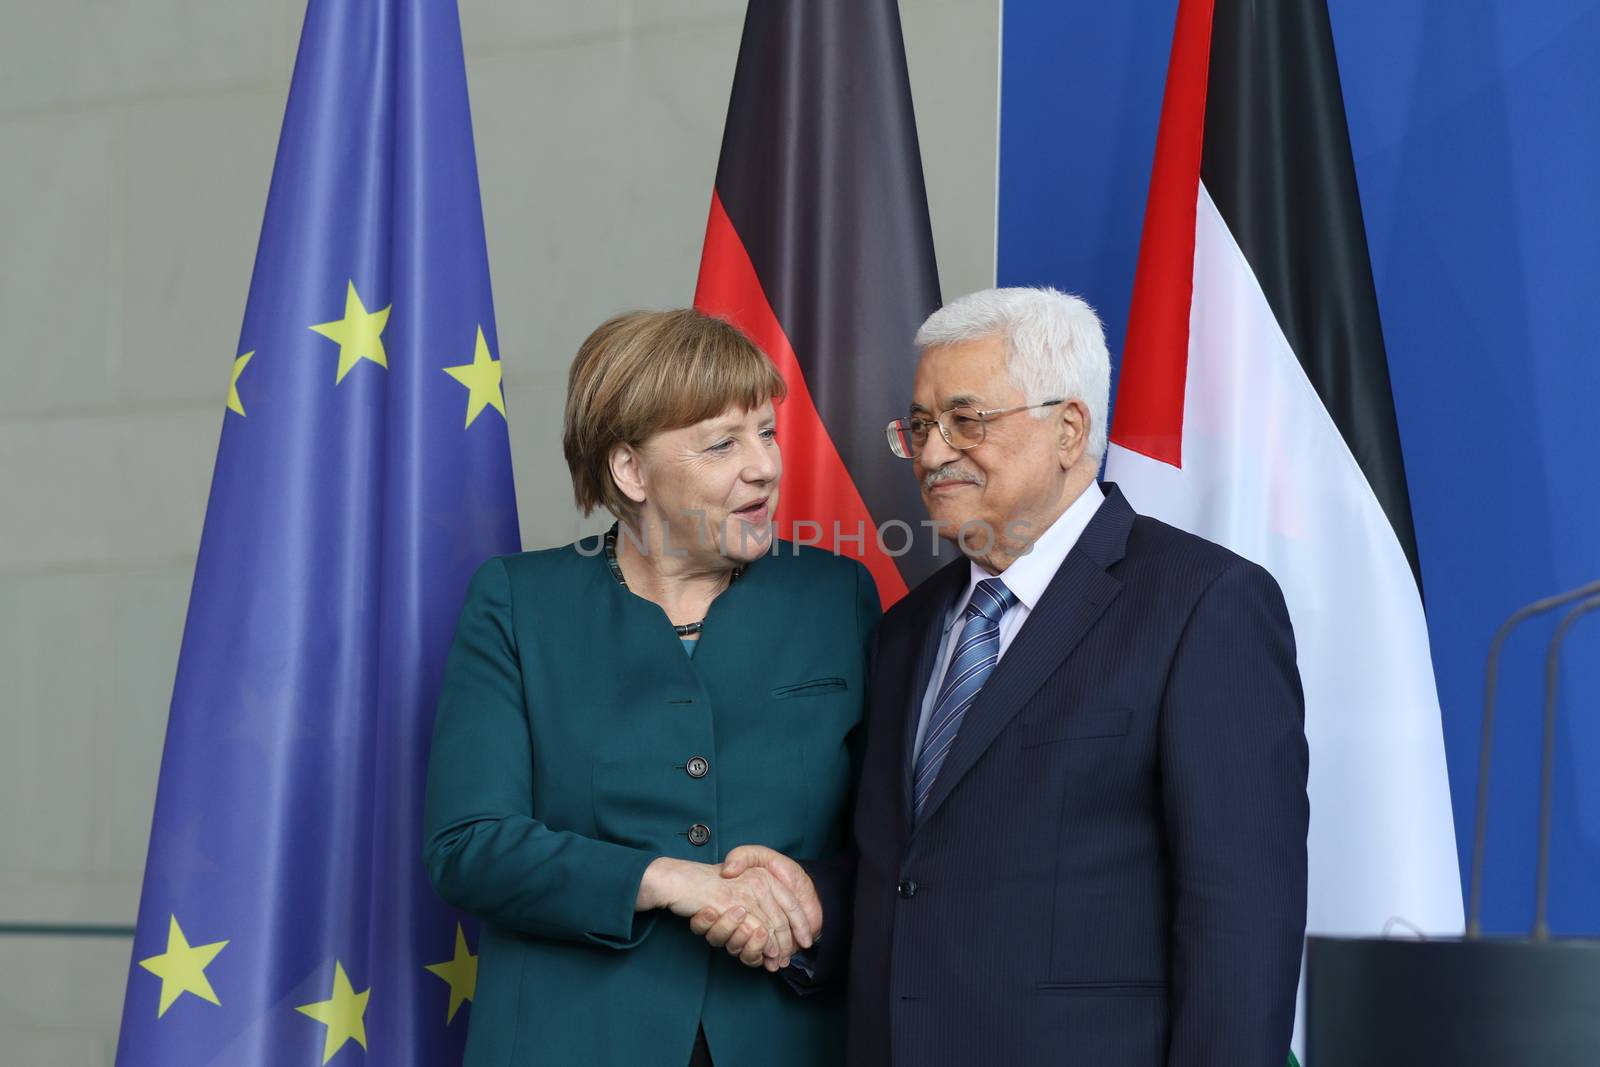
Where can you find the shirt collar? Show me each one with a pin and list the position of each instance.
(1029, 575)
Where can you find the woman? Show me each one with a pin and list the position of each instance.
(620, 713)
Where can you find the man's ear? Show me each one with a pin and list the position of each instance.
(1072, 433)
(627, 470)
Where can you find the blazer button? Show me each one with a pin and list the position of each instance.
(697, 767)
(907, 889)
(699, 834)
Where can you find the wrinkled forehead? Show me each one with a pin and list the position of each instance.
(972, 374)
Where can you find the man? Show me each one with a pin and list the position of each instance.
(1080, 832)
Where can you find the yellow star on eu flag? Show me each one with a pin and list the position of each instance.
(359, 333)
(461, 972)
(482, 379)
(343, 1014)
(182, 968)
(234, 403)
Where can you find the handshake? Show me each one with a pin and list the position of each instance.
(758, 904)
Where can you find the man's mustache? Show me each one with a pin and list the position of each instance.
(951, 474)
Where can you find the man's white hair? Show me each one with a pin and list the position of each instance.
(1055, 346)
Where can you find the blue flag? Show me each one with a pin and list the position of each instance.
(363, 474)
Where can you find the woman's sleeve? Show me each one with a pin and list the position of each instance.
(869, 610)
(834, 877)
(484, 850)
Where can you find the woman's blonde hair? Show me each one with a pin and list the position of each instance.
(644, 372)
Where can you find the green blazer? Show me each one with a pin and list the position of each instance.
(568, 726)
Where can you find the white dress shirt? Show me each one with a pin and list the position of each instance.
(1027, 578)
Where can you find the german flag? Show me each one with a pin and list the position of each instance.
(819, 248)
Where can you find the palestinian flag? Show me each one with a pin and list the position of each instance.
(819, 248)
(1254, 409)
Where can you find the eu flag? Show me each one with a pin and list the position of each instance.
(364, 472)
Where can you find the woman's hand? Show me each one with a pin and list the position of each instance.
(794, 928)
(754, 916)
(790, 881)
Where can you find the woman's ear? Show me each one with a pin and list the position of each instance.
(627, 470)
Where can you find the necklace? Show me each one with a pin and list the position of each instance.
(688, 629)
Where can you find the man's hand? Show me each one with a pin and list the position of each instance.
(790, 874)
(791, 887)
(758, 919)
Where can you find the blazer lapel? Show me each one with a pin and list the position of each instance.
(1076, 597)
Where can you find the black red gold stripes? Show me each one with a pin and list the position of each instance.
(819, 190)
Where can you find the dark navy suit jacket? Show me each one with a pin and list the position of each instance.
(1111, 869)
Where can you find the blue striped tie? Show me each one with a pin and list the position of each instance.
(977, 651)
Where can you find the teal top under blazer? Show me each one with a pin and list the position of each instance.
(568, 717)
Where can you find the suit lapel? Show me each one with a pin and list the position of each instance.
(1075, 598)
(927, 629)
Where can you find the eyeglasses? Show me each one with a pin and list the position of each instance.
(962, 428)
